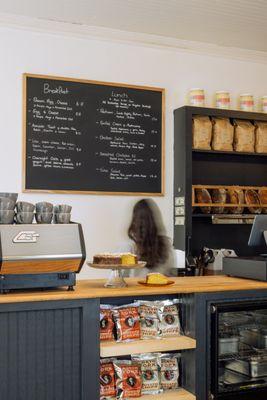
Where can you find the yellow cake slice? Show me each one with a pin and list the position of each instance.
(128, 259)
(155, 278)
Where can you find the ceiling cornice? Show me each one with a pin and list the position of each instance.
(134, 38)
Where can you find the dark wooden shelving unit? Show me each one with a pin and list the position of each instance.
(192, 229)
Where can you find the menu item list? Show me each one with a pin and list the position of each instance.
(92, 137)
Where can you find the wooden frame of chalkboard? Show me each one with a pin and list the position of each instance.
(122, 118)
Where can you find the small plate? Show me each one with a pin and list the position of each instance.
(155, 284)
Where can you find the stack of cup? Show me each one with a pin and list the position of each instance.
(62, 214)
(44, 213)
(7, 205)
(25, 212)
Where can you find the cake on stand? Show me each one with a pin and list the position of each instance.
(116, 279)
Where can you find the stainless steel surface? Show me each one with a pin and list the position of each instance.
(234, 378)
(231, 377)
(255, 337)
(254, 367)
(246, 267)
(37, 241)
(228, 345)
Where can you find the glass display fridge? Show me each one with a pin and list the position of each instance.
(238, 350)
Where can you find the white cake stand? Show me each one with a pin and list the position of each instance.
(116, 277)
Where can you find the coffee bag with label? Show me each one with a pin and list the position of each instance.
(127, 322)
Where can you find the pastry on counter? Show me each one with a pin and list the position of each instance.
(115, 259)
(155, 278)
(107, 258)
(128, 259)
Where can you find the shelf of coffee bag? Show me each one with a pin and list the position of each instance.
(110, 349)
(180, 394)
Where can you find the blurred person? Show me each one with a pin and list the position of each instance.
(148, 240)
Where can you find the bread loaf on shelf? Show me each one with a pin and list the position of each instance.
(252, 197)
(235, 196)
(218, 196)
(263, 199)
(203, 196)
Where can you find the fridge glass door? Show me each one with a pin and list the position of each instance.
(239, 348)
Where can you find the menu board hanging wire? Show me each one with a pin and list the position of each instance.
(84, 136)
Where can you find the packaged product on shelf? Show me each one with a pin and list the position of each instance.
(128, 379)
(169, 371)
(149, 321)
(202, 131)
(222, 99)
(106, 323)
(169, 321)
(107, 379)
(127, 322)
(246, 102)
(203, 196)
(261, 137)
(149, 365)
(244, 136)
(197, 97)
(223, 134)
(264, 104)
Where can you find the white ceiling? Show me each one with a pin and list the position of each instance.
(230, 23)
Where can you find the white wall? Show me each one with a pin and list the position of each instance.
(105, 218)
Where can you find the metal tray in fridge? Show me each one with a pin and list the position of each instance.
(235, 319)
(254, 337)
(228, 345)
(234, 381)
(255, 367)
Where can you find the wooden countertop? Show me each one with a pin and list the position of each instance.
(94, 288)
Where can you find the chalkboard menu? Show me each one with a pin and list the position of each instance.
(92, 137)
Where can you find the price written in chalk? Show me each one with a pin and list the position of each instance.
(95, 137)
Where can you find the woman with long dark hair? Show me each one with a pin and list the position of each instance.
(149, 240)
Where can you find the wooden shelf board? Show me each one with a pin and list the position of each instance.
(110, 349)
(235, 153)
(228, 205)
(180, 394)
(227, 187)
(224, 216)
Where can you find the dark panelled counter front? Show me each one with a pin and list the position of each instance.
(50, 349)
(46, 348)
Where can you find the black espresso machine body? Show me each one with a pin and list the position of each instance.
(40, 256)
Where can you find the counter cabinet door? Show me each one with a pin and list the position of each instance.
(49, 350)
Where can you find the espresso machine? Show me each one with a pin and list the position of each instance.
(40, 256)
